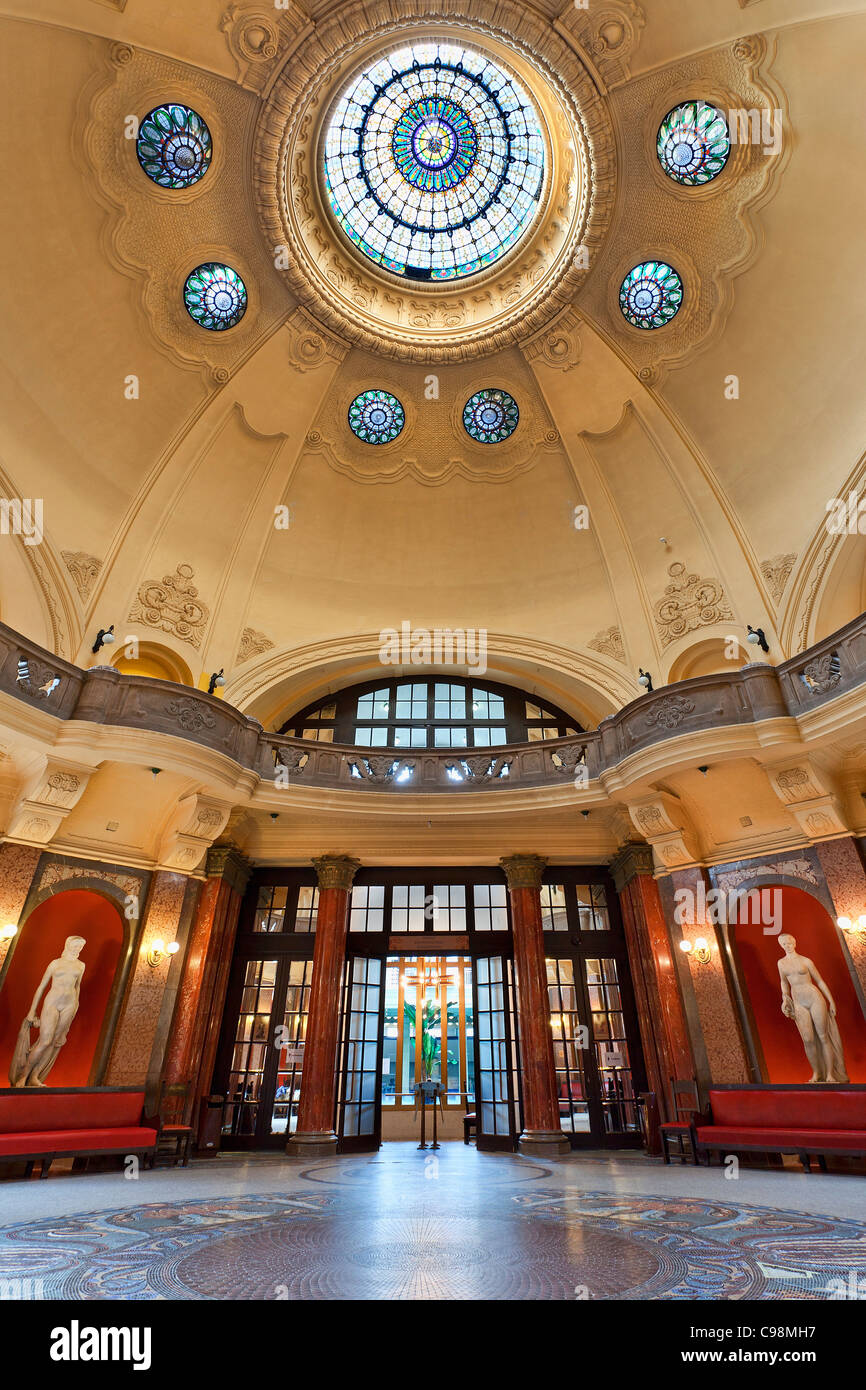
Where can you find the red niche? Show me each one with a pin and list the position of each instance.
(778, 1040)
(72, 913)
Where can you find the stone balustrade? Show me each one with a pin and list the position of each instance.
(102, 695)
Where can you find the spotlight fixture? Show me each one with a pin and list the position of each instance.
(645, 679)
(699, 950)
(7, 932)
(217, 679)
(159, 950)
(275, 815)
(104, 638)
(585, 815)
(757, 638)
(705, 769)
(155, 771)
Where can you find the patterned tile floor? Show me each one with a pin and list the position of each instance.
(457, 1225)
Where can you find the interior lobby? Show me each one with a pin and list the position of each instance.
(432, 578)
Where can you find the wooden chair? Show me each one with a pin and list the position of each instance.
(678, 1135)
(172, 1115)
(470, 1123)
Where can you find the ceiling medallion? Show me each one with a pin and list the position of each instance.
(412, 155)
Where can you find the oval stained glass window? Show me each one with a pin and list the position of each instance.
(490, 416)
(693, 143)
(434, 161)
(377, 417)
(215, 296)
(651, 294)
(174, 146)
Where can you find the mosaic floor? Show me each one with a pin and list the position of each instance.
(410, 1226)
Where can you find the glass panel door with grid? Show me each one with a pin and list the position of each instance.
(359, 1115)
(497, 1091)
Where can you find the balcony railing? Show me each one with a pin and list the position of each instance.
(102, 695)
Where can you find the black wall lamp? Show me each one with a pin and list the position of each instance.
(645, 679)
(104, 638)
(757, 637)
(217, 679)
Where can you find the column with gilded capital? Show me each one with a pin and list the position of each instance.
(542, 1135)
(315, 1132)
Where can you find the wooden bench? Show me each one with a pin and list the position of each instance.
(41, 1124)
(804, 1120)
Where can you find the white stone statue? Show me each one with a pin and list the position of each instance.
(62, 979)
(807, 1000)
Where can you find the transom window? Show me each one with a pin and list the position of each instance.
(428, 713)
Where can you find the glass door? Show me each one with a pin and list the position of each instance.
(496, 1066)
(359, 1115)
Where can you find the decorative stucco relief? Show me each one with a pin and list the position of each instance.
(253, 643)
(609, 643)
(84, 569)
(689, 602)
(776, 572)
(172, 604)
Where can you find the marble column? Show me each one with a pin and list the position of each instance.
(842, 863)
(542, 1135)
(192, 1046)
(664, 1032)
(315, 1132)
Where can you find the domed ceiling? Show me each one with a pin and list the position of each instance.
(519, 317)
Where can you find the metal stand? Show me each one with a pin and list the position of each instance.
(424, 1092)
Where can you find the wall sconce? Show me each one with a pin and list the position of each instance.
(847, 925)
(217, 679)
(7, 932)
(757, 637)
(699, 950)
(104, 638)
(645, 679)
(158, 951)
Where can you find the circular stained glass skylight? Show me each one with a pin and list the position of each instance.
(490, 416)
(215, 296)
(693, 143)
(651, 294)
(377, 417)
(174, 146)
(434, 162)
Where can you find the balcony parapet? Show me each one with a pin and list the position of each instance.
(102, 695)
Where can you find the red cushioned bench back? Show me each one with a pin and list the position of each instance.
(807, 1108)
(32, 1111)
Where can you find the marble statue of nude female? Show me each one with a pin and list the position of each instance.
(62, 980)
(807, 1000)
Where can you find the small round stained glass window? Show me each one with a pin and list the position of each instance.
(215, 296)
(490, 416)
(651, 294)
(693, 143)
(377, 417)
(434, 161)
(174, 146)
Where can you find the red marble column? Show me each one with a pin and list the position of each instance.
(191, 1050)
(542, 1133)
(315, 1133)
(664, 1032)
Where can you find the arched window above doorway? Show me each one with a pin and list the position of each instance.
(424, 712)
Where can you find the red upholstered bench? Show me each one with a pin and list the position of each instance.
(49, 1123)
(785, 1119)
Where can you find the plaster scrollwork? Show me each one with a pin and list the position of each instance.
(259, 36)
(776, 572)
(670, 712)
(310, 345)
(190, 716)
(786, 868)
(45, 800)
(689, 602)
(252, 644)
(609, 32)
(558, 345)
(192, 829)
(84, 569)
(172, 604)
(609, 643)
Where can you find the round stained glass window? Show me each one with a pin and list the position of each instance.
(434, 162)
(174, 146)
(377, 417)
(490, 416)
(693, 143)
(215, 296)
(651, 294)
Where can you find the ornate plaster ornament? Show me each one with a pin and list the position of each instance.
(252, 643)
(689, 602)
(172, 604)
(777, 572)
(84, 569)
(609, 643)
